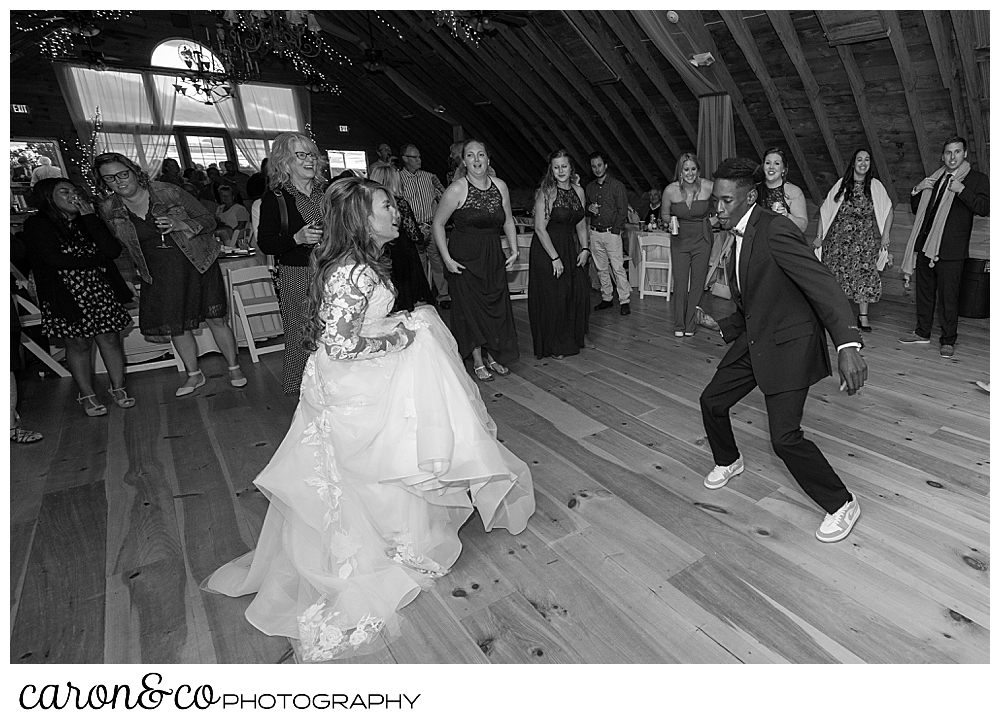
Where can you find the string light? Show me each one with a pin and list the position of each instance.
(389, 25)
(460, 28)
(88, 152)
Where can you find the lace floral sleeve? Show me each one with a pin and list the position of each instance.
(409, 222)
(345, 301)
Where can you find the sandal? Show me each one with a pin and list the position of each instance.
(92, 408)
(25, 437)
(483, 374)
(498, 368)
(120, 397)
(192, 384)
(240, 381)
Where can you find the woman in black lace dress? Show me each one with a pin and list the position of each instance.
(778, 195)
(558, 285)
(481, 315)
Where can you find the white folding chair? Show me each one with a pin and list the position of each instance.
(33, 318)
(654, 253)
(517, 277)
(254, 298)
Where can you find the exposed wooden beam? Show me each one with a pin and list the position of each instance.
(560, 85)
(965, 35)
(941, 42)
(781, 20)
(644, 141)
(623, 25)
(864, 113)
(693, 25)
(580, 84)
(891, 21)
(741, 33)
(610, 56)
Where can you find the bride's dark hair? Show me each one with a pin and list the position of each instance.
(347, 237)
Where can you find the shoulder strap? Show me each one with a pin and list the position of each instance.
(283, 211)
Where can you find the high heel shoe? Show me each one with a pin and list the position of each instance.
(194, 381)
(120, 397)
(240, 381)
(92, 408)
(863, 327)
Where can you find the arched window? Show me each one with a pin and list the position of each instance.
(173, 53)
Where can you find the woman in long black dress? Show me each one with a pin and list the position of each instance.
(777, 194)
(558, 284)
(167, 233)
(407, 274)
(80, 290)
(481, 315)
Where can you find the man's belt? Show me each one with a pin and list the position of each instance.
(602, 229)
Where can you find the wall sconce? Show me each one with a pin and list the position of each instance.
(701, 60)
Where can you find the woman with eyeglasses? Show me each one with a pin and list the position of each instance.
(291, 224)
(80, 291)
(168, 234)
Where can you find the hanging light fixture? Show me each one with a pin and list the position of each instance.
(274, 31)
(208, 81)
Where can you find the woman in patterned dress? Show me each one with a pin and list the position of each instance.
(295, 184)
(481, 315)
(80, 291)
(778, 195)
(389, 452)
(854, 224)
(558, 284)
(168, 235)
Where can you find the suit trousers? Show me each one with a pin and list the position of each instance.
(688, 260)
(430, 259)
(606, 251)
(784, 416)
(942, 281)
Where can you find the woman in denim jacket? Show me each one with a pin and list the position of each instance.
(167, 232)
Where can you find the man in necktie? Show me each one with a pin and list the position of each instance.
(944, 203)
(785, 299)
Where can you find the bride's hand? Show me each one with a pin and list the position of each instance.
(408, 334)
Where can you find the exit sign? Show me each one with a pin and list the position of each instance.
(344, 129)
(19, 108)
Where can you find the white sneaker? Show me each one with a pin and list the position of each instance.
(721, 473)
(837, 526)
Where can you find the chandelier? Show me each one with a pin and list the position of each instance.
(284, 32)
(208, 81)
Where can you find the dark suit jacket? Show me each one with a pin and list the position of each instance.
(973, 201)
(788, 298)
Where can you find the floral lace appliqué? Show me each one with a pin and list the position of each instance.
(323, 636)
(404, 554)
(346, 299)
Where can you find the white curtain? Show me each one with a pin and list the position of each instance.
(661, 33)
(257, 112)
(716, 132)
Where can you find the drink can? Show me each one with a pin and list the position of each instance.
(675, 226)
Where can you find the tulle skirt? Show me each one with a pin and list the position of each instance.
(385, 459)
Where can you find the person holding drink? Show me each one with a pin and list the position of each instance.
(777, 195)
(168, 234)
(685, 213)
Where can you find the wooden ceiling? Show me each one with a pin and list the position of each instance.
(586, 80)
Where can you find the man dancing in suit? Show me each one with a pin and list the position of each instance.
(784, 299)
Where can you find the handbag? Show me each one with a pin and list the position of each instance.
(884, 259)
(720, 287)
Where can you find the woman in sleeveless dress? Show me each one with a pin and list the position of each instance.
(688, 198)
(854, 224)
(777, 195)
(558, 284)
(481, 316)
(389, 451)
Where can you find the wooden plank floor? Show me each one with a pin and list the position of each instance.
(115, 520)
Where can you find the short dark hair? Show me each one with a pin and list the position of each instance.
(402, 149)
(955, 139)
(740, 170)
(598, 154)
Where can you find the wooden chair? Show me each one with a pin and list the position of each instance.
(517, 277)
(32, 317)
(654, 250)
(253, 295)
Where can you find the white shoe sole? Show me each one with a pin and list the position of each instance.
(842, 535)
(725, 481)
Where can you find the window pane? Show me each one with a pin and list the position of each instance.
(269, 108)
(189, 112)
(120, 96)
(354, 160)
(166, 55)
(241, 159)
(207, 150)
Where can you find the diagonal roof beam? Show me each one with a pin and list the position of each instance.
(891, 21)
(781, 20)
(965, 35)
(941, 42)
(741, 33)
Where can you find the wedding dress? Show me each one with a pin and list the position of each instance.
(389, 451)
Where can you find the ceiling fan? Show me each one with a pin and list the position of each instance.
(374, 61)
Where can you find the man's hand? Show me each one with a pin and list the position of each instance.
(927, 183)
(853, 370)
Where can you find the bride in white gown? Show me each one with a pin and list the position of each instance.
(389, 451)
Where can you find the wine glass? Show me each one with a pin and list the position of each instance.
(156, 212)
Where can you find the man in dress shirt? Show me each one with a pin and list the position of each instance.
(785, 298)
(607, 207)
(423, 190)
(944, 203)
